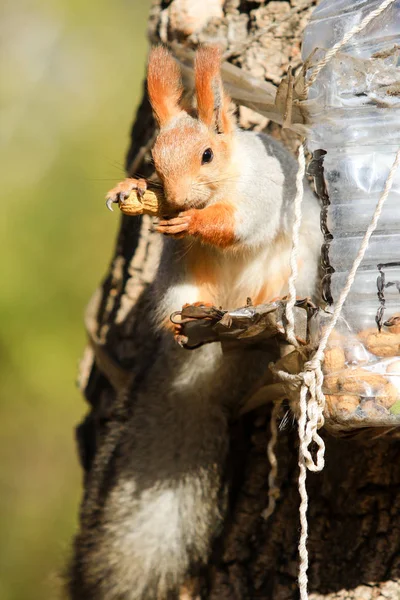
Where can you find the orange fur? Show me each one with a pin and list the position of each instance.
(273, 288)
(199, 303)
(213, 105)
(176, 168)
(203, 272)
(208, 298)
(164, 85)
(177, 156)
(168, 325)
(214, 224)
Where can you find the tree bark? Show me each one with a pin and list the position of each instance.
(354, 504)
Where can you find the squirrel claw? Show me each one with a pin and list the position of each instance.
(109, 203)
(141, 188)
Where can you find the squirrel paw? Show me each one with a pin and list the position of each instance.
(179, 337)
(123, 189)
(176, 227)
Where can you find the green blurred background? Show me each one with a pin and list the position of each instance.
(71, 74)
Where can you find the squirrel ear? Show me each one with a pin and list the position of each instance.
(164, 85)
(213, 105)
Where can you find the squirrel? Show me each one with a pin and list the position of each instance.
(151, 514)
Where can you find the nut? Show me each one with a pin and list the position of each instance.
(150, 204)
(361, 381)
(387, 396)
(346, 403)
(381, 343)
(393, 324)
(331, 383)
(372, 409)
(334, 360)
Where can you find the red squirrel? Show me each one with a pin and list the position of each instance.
(229, 197)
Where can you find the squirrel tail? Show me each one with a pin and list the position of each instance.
(160, 500)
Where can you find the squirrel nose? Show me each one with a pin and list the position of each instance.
(177, 195)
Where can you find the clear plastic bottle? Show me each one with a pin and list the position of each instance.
(354, 106)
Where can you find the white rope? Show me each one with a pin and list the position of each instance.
(273, 489)
(312, 399)
(293, 256)
(303, 552)
(310, 380)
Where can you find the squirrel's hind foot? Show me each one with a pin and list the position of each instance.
(178, 326)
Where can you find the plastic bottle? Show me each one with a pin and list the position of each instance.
(354, 107)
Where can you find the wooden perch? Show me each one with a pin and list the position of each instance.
(205, 324)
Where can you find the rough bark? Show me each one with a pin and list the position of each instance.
(354, 505)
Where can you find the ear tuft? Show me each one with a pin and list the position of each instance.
(213, 105)
(164, 85)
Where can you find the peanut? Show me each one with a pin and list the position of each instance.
(361, 381)
(334, 359)
(149, 205)
(387, 396)
(331, 384)
(346, 403)
(373, 409)
(381, 343)
(393, 324)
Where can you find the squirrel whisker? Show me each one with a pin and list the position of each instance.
(222, 179)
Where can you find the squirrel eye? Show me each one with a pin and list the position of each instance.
(207, 156)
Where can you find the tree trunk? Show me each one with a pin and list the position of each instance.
(354, 504)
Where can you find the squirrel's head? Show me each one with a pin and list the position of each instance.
(192, 153)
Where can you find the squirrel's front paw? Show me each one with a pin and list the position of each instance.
(123, 189)
(176, 227)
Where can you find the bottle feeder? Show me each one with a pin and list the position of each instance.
(354, 109)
